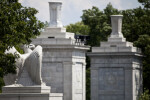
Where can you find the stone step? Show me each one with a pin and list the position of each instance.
(116, 44)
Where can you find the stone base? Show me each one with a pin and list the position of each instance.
(50, 32)
(29, 93)
(31, 96)
(118, 44)
(27, 89)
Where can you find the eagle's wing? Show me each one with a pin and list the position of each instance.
(33, 64)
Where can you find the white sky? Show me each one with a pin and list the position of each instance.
(72, 9)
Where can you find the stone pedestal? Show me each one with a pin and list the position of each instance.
(55, 14)
(116, 68)
(63, 65)
(29, 93)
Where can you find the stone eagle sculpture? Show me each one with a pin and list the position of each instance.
(28, 67)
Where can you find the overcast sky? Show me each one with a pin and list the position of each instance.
(72, 9)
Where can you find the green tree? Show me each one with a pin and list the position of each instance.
(46, 24)
(18, 25)
(146, 3)
(136, 23)
(78, 28)
(99, 23)
(88, 80)
(143, 42)
(145, 95)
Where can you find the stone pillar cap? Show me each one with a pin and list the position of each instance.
(55, 13)
(55, 2)
(116, 15)
(116, 22)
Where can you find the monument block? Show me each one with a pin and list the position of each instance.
(116, 67)
(63, 60)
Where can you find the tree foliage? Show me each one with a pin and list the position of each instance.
(143, 42)
(99, 23)
(136, 29)
(88, 87)
(18, 25)
(146, 3)
(78, 28)
(136, 22)
(145, 95)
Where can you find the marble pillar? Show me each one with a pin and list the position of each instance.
(55, 14)
(116, 67)
(63, 58)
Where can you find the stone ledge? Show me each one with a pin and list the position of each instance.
(115, 54)
(116, 44)
(27, 89)
(31, 96)
(56, 32)
(115, 49)
(55, 29)
(113, 39)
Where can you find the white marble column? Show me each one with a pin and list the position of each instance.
(116, 21)
(55, 14)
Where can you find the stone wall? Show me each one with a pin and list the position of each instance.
(116, 67)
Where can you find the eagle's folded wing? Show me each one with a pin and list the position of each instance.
(33, 65)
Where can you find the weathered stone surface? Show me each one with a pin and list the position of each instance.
(55, 14)
(28, 84)
(116, 21)
(51, 32)
(27, 89)
(28, 67)
(31, 96)
(63, 68)
(116, 67)
(63, 62)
